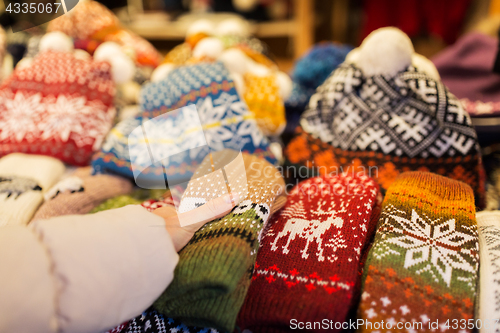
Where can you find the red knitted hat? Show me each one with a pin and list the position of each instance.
(59, 106)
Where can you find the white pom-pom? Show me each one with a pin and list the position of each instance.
(235, 60)
(107, 51)
(81, 54)
(239, 83)
(352, 56)
(386, 51)
(122, 69)
(245, 5)
(130, 91)
(210, 47)
(24, 63)
(233, 27)
(161, 72)
(425, 65)
(258, 69)
(201, 26)
(56, 41)
(285, 84)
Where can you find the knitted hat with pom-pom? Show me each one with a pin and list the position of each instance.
(380, 115)
(59, 106)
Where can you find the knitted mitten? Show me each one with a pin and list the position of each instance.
(307, 265)
(423, 264)
(214, 269)
(150, 321)
(90, 191)
(489, 252)
(23, 179)
(135, 198)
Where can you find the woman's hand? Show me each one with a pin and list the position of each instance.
(196, 218)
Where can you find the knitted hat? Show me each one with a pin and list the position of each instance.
(213, 273)
(309, 72)
(467, 69)
(91, 20)
(220, 119)
(59, 106)
(23, 180)
(308, 261)
(423, 264)
(489, 242)
(80, 194)
(264, 101)
(380, 115)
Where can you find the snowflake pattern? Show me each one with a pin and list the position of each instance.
(33, 117)
(19, 116)
(436, 247)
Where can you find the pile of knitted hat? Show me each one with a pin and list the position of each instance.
(309, 73)
(258, 80)
(385, 111)
(91, 23)
(224, 118)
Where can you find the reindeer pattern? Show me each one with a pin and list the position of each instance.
(312, 230)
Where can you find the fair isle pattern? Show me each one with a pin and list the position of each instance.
(433, 247)
(225, 120)
(150, 321)
(292, 278)
(59, 106)
(37, 119)
(423, 264)
(409, 115)
(308, 260)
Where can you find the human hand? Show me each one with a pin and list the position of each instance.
(197, 217)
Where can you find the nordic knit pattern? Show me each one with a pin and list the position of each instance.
(307, 264)
(407, 122)
(215, 267)
(23, 181)
(224, 118)
(59, 106)
(150, 321)
(489, 276)
(423, 264)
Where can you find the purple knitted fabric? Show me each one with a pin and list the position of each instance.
(466, 68)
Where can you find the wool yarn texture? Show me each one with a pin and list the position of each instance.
(263, 100)
(151, 321)
(207, 96)
(215, 267)
(59, 106)
(94, 190)
(489, 292)
(423, 264)
(309, 258)
(382, 126)
(23, 181)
